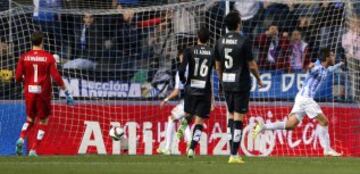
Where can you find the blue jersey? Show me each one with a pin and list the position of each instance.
(315, 77)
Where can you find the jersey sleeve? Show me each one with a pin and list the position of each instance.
(55, 73)
(19, 70)
(315, 70)
(335, 67)
(247, 47)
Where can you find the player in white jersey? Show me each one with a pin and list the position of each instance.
(177, 114)
(305, 103)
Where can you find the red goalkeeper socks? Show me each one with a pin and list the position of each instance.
(25, 129)
(39, 137)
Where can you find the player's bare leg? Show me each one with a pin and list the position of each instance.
(184, 130)
(180, 132)
(323, 133)
(290, 124)
(40, 135)
(196, 136)
(184, 124)
(236, 139)
(169, 132)
(27, 126)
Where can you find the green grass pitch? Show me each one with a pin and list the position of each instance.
(175, 165)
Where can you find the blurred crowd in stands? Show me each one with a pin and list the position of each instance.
(285, 36)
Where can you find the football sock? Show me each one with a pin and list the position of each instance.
(25, 129)
(230, 132)
(196, 136)
(39, 136)
(169, 134)
(238, 125)
(188, 134)
(324, 138)
(274, 126)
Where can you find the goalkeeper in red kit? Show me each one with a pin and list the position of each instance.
(35, 69)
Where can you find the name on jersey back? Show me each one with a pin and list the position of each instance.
(202, 52)
(35, 58)
(230, 41)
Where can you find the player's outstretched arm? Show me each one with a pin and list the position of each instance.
(59, 81)
(172, 95)
(313, 69)
(335, 67)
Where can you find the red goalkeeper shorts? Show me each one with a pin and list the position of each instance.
(37, 107)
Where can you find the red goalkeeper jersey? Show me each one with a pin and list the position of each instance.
(35, 68)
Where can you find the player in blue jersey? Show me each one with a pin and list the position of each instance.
(305, 103)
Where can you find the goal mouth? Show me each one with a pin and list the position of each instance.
(119, 63)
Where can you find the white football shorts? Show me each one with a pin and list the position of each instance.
(178, 111)
(305, 105)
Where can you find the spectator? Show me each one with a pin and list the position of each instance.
(351, 39)
(43, 10)
(86, 46)
(269, 48)
(279, 13)
(7, 66)
(6, 54)
(249, 13)
(351, 45)
(304, 24)
(184, 21)
(45, 15)
(214, 20)
(3, 47)
(127, 39)
(329, 23)
(85, 35)
(296, 52)
(162, 44)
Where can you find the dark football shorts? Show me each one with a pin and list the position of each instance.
(198, 105)
(237, 101)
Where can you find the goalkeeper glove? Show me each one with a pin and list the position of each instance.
(69, 98)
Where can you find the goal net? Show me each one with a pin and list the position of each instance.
(119, 59)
